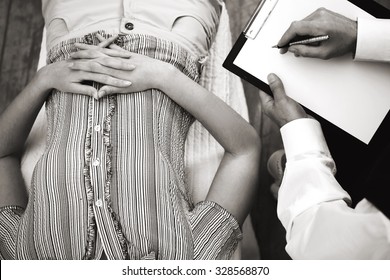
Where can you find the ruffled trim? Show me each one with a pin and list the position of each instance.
(92, 227)
(107, 194)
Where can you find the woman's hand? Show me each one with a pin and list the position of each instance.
(143, 72)
(64, 76)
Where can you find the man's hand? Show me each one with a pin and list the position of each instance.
(342, 33)
(281, 109)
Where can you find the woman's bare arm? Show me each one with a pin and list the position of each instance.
(16, 121)
(235, 182)
(15, 125)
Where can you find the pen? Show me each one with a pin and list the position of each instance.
(304, 42)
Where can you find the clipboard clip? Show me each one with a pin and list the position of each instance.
(258, 18)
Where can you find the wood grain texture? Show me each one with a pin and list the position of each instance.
(5, 6)
(22, 33)
(269, 232)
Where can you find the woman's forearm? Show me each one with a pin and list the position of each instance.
(235, 134)
(235, 181)
(17, 119)
(15, 124)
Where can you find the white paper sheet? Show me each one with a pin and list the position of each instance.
(353, 95)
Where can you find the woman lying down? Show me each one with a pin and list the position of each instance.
(111, 183)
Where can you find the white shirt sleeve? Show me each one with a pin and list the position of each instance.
(373, 40)
(314, 209)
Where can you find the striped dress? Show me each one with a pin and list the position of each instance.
(112, 177)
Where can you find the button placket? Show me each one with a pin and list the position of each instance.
(99, 203)
(129, 26)
(97, 128)
(97, 156)
(127, 21)
(96, 162)
(128, 6)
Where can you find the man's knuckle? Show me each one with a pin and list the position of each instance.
(325, 56)
(303, 53)
(294, 24)
(320, 10)
(276, 86)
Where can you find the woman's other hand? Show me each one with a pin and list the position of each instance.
(143, 72)
(62, 76)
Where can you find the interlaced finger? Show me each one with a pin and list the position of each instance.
(78, 88)
(95, 51)
(105, 79)
(105, 42)
(108, 90)
(112, 45)
(108, 65)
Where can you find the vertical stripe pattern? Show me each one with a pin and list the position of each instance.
(112, 176)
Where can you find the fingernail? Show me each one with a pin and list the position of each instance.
(131, 66)
(95, 95)
(127, 83)
(271, 78)
(71, 64)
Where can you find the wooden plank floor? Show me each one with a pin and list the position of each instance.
(269, 232)
(21, 27)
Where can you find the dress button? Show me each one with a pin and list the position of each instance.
(96, 162)
(97, 128)
(99, 203)
(129, 26)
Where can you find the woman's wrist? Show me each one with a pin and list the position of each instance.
(41, 81)
(165, 76)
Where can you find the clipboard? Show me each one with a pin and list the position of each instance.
(258, 26)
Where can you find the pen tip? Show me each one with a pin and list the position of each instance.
(276, 46)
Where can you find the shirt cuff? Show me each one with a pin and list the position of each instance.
(10, 217)
(215, 231)
(373, 40)
(303, 136)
